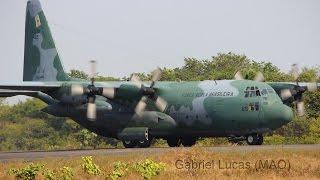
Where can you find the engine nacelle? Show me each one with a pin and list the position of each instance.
(65, 110)
(66, 95)
(74, 100)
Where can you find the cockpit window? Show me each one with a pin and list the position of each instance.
(252, 91)
(271, 91)
(264, 92)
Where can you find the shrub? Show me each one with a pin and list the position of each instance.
(27, 173)
(89, 167)
(65, 173)
(274, 139)
(148, 168)
(120, 169)
(48, 174)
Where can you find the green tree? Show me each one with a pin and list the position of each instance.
(312, 103)
(78, 74)
(308, 74)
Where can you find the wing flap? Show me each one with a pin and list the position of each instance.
(10, 93)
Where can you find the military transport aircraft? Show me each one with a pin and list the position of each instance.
(136, 112)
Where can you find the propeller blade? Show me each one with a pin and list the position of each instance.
(108, 92)
(141, 105)
(156, 74)
(259, 77)
(285, 94)
(136, 80)
(91, 111)
(300, 108)
(93, 70)
(77, 90)
(161, 104)
(295, 71)
(238, 76)
(312, 86)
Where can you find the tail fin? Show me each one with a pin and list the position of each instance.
(41, 59)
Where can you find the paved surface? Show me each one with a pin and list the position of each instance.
(9, 156)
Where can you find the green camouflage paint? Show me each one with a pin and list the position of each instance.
(41, 59)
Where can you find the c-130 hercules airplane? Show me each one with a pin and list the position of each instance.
(136, 112)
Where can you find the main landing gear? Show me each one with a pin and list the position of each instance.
(251, 139)
(254, 139)
(136, 143)
(185, 141)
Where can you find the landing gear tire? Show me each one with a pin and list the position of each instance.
(188, 141)
(129, 144)
(145, 143)
(255, 139)
(260, 139)
(174, 142)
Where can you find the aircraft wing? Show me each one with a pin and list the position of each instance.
(31, 86)
(33, 89)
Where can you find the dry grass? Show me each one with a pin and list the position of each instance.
(303, 164)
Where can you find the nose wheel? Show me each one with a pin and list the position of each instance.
(254, 139)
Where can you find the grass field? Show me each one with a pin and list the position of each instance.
(194, 163)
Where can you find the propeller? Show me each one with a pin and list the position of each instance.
(258, 77)
(90, 91)
(91, 106)
(297, 91)
(149, 93)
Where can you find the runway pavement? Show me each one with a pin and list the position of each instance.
(10, 156)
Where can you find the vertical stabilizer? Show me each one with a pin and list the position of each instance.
(41, 59)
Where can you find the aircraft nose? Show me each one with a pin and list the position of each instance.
(277, 115)
(286, 114)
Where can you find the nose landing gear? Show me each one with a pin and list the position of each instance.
(254, 139)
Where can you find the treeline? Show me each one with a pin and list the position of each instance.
(24, 127)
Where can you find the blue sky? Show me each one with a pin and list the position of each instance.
(137, 36)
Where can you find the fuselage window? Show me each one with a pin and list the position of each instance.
(254, 106)
(251, 107)
(246, 92)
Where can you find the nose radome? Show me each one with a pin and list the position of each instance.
(286, 113)
(277, 115)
